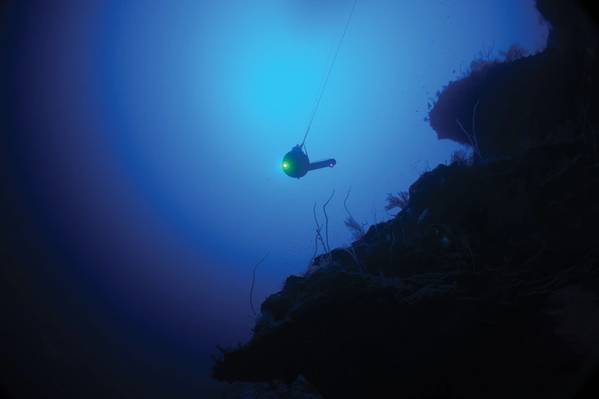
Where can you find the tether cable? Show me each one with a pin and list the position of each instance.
(328, 75)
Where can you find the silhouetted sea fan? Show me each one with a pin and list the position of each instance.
(399, 201)
(356, 229)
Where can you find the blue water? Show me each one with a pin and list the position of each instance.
(155, 131)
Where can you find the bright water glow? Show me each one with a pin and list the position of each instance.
(157, 130)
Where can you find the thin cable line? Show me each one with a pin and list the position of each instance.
(331, 66)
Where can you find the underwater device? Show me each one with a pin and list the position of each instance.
(296, 163)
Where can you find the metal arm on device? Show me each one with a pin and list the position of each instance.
(328, 163)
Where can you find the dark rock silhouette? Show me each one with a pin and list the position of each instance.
(544, 98)
(486, 284)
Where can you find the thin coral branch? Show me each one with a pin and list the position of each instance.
(326, 218)
(318, 236)
(318, 228)
(316, 219)
(472, 137)
(351, 223)
(254, 281)
(345, 203)
(315, 250)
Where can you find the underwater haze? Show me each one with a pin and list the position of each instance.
(148, 136)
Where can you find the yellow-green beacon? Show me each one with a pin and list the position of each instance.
(296, 163)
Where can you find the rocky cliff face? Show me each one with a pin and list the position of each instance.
(486, 284)
(508, 107)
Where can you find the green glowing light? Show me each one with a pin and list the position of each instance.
(285, 165)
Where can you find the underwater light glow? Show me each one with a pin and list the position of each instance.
(156, 113)
(132, 134)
